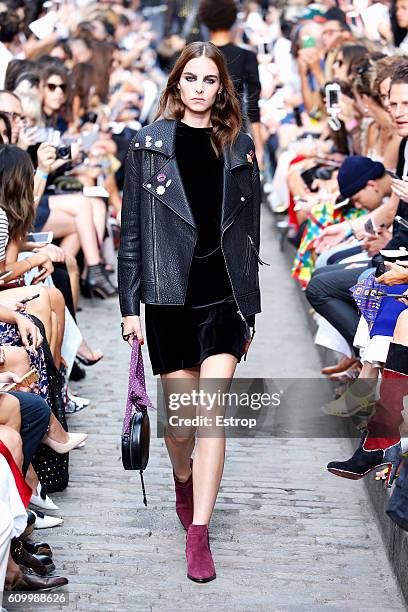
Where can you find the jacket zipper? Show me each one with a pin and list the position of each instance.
(226, 267)
(263, 263)
(153, 213)
(248, 257)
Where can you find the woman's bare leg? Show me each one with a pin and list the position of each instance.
(401, 329)
(73, 273)
(80, 209)
(56, 431)
(10, 415)
(180, 447)
(40, 307)
(99, 217)
(32, 478)
(53, 340)
(16, 360)
(58, 308)
(71, 244)
(12, 440)
(210, 451)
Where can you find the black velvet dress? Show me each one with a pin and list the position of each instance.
(208, 323)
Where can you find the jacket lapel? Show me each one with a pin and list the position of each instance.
(165, 182)
(166, 185)
(237, 182)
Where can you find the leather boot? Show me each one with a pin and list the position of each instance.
(381, 443)
(184, 499)
(200, 564)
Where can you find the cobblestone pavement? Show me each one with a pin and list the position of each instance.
(285, 535)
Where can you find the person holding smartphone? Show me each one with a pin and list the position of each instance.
(189, 249)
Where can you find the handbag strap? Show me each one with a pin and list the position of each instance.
(137, 396)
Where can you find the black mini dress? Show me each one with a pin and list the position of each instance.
(182, 336)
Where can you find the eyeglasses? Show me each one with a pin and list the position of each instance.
(53, 86)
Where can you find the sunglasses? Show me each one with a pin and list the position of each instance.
(54, 86)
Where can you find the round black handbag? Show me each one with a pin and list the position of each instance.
(136, 424)
(135, 444)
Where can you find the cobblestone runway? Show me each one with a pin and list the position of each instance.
(286, 535)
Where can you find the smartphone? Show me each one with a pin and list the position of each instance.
(369, 227)
(308, 42)
(393, 174)
(263, 48)
(28, 299)
(5, 275)
(298, 116)
(332, 94)
(401, 221)
(42, 237)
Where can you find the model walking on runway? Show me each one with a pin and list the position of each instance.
(190, 252)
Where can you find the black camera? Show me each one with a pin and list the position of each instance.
(90, 117)
(64, 152)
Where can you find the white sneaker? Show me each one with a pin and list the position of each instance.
(81, 401)
(43, 521)
(41, 500)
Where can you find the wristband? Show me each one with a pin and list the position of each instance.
(42, 175)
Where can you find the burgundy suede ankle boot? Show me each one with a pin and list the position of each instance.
(184, 499)
(200, 564)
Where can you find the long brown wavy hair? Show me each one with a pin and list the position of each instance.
(17, 190)
(225, 113)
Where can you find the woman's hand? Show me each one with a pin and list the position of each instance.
(46, 156)
(331, 236)
(400, 188)
(374, 243)
(131, 329)
(9, 377)
(13, 305)
(404, 300)
(397, 275)
(45, 267)
(29, 332)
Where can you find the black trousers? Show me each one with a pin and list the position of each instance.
(328, 293)
(61, 280)
(35, 418)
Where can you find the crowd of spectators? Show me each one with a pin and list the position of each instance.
(324, 92)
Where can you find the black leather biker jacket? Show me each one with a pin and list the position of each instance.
(158, 233)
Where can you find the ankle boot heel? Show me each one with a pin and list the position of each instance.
(393, 455)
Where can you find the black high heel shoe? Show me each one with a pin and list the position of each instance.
(364, 461)
(99, 284)
(88, 362)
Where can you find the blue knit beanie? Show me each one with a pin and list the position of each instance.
(355, 172)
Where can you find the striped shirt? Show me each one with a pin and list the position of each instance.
(4, 234)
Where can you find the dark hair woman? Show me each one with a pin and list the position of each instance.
(56, 96)
(189, 251)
